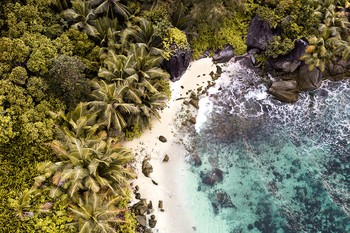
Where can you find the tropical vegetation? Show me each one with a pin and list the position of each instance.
(78, 77)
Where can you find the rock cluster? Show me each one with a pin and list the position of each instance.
(295, 77)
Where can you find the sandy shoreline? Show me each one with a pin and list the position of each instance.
(169, 175)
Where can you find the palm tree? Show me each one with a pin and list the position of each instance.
(149, 106)
(82, 15)
(21, 205)
(143, 33)
(111, 8)
(95, 214)
(61, 4)
(99, 168)
(106, 28)
(115, 67)
(146, 69)
(79, 123)
(109, 105)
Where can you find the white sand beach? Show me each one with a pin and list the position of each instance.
(169, 175)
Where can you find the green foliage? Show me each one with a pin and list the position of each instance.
(330, 40)
(279, 46)
(13, 50)
(216, 25)
(294, 20)
(40, 59)
(129, 223)
(19, 75)
(160, 18)
(37, 88)
(176, 40)
(132, 132)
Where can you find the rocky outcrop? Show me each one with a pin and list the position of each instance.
(177, 64)
(223, 55)
(259, 34)
(309, 80)
(286, 91)
(288, 63)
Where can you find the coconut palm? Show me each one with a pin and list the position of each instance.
(79, 123)
(146, 69)
(99, 167)
(61, 4)
(108, 103)
(110, 8)
(95, 214)
(143, 32)
(82, 15)
(21, 205)
(149, 106)
(106, 28)
(115, 66)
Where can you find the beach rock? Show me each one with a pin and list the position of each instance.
(152, 222)
(309, 80)
(160, 204)
(212, 177)
(288, 63)
(166, 158)
(177, 64)
(259, 34)
(162, 139)
(195, 160)
(150, 205)
(285, 91)
(223, 55)
(141, 219)
(192, 120)
(147, 168)
(140, 208)
(194, 103)
(137, 196)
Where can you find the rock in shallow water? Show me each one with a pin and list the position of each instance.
(212, 177)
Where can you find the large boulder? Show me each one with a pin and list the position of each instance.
(285, 91)
(288, 63)
(259, 34)
(177, 64)
(309, 80)
(223, 55)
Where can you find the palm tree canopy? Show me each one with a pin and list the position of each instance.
(111, 8)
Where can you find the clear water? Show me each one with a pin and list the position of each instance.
(286, 167)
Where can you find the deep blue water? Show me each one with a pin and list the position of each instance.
(286, 167)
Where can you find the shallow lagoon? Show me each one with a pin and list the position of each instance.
(286, 166)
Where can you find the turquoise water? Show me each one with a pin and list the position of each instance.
(286, 167)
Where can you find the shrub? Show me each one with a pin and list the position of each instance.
(67, 80)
